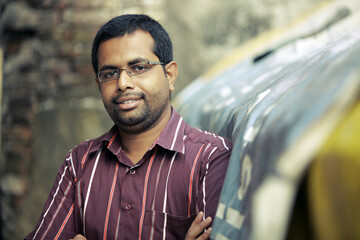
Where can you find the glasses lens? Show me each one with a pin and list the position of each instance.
(138, 68)
(109, 75)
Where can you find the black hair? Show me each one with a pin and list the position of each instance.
(127, 24)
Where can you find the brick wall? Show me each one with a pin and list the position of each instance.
(50, 100)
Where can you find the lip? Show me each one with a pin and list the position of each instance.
(128, 102)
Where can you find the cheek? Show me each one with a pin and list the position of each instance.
(105, 94)
(158, 90)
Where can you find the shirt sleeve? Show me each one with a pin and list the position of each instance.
(57, 219)
(213, 170)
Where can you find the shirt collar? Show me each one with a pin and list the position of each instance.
(109, 139)
(171, 138)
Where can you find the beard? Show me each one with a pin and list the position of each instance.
(141, 118)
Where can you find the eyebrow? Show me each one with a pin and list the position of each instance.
(108, 67)
(131, 62)
(137, 60)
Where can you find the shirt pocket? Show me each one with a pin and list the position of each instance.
(175, 227)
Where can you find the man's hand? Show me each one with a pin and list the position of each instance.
(197, 227)
(78, 237)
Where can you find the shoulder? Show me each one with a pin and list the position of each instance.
(77, 157)
(87, 144)
(214, 151)
(196, 135)
(90, 145)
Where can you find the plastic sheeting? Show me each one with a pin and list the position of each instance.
(278, 111)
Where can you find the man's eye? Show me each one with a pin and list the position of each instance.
(139, 68)
(111, 74)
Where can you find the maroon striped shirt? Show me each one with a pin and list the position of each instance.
(101, 194)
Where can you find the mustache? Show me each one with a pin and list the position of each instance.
(121, 95)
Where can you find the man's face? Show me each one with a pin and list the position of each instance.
(139, 102)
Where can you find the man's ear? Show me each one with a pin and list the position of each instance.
(171, 74)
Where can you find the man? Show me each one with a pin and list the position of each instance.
(151, 174)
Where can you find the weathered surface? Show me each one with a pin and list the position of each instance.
(280, 110)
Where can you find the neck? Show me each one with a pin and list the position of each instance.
(135, 145)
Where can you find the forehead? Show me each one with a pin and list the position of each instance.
(138, 44)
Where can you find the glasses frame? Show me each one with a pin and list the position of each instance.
(130, 74)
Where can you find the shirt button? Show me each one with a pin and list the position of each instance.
(132, 171)
(128, 207)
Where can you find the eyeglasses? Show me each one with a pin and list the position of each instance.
(132, 70)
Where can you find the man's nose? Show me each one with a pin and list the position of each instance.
(125, 81)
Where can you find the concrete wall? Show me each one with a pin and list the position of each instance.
(50, 101)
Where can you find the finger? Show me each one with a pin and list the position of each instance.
(198, 218)
(78, 237)
(204, 224)
(198, 226)
(205, 235)
(196, 221)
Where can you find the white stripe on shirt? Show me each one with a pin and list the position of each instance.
(165, 196)
(57, 211)
(89, 188)
(56, 192)
(72, 163)
(204, 192)
(176, 133)
(223, 141)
